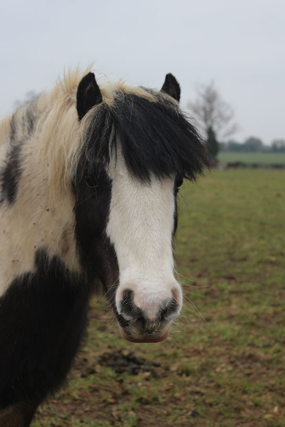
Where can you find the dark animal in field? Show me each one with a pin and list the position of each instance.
(235, 165)
(89, 182)
(277, 166)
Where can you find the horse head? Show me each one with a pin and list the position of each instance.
(137, 147)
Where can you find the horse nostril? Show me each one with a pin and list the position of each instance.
(168, 310)
(128, 309)
(153, 315)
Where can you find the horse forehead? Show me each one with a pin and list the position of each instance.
(138, 191)
(139, 211)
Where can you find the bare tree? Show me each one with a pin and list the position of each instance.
(212, 111)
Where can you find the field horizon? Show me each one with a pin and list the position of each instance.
(253, 158)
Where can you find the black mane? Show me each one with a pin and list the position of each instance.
(156, 137)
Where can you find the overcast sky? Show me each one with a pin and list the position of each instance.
(238, 44)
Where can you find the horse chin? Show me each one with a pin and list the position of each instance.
(143, 340)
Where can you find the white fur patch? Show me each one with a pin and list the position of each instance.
(32, 223)
(140, 226)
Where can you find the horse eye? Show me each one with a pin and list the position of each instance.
(178, 183)
(90, 181)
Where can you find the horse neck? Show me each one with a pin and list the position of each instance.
(31, 222)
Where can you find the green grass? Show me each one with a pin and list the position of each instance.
(259, 158)
(224, 363)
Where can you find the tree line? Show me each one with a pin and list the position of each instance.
(253, 145)
(216, 120)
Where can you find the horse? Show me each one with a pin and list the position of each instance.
(89, 183)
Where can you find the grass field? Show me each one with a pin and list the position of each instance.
(224, 363)
(259, 158)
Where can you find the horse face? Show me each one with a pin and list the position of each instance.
(140, 227)
(124, 230)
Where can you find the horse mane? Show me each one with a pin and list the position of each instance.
(156, 137)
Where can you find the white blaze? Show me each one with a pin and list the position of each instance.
(140, 226)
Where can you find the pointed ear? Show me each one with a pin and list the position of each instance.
(171, 87)
(88, 95)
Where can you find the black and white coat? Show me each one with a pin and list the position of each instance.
(89, 179)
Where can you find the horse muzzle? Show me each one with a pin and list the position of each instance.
(146, 326)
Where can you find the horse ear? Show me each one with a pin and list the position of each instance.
(88, 95)
(171, 87)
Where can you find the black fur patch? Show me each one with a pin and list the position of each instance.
(97, 254)
(156, 137)
(11, 174)
(43, 316)
(29, 118)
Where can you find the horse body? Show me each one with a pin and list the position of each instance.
(89, 179)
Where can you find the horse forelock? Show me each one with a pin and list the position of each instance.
(155, 136)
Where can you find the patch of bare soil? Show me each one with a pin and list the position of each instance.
(122, 361)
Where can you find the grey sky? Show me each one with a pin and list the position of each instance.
(239, 44)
